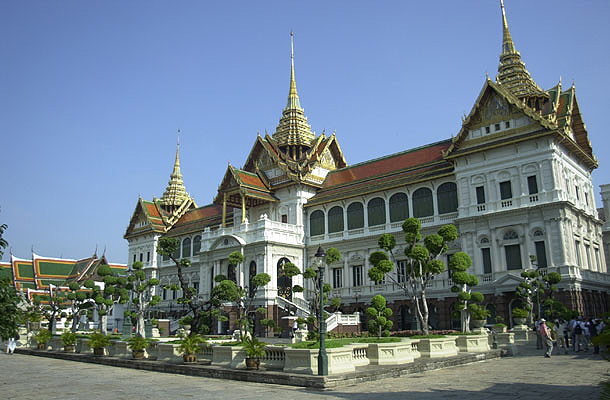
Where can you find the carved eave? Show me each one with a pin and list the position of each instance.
(240, 187)
(155, 221)
(512, 101)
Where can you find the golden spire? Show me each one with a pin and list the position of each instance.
(293, 133)
(511, 71)
(293, 96)
(175, 193)
(508, 47)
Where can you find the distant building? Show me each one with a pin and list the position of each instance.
(37, 276)
(516, 181)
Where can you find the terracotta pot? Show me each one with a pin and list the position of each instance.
(190, 358)
(138, 354)
(41, 346)
(252, 363)
(478, 323)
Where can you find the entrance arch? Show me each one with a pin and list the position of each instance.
(284, 283)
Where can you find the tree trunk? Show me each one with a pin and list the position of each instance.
(424, 314)
(104, 324)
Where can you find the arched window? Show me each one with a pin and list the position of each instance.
(316, 223)
(231, 273)
(284, 282)
(335, 219)
(355, 216)
(422, 203)
(446, 196)
(186, 247)
(376, 211)
(510, 235)
(196, 245)
(399, 207)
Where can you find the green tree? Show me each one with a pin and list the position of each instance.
(105, 296)
(528, 291)
(3, 242)
(51, 304)
(468, 304)
(332, 255)
(201, 312)
(379, 322)
(79, 303)
(142, 289)
(246, 296)
(10, 309)
(421, 265)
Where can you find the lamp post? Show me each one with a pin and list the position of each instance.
(322, 356)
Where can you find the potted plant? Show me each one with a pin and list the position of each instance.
(301, 323)
(254, 349)
(68, 339)
(98, 341)
(520, 315)
(479, 315)
(42, 337)
(190, 346)
(138, 344)
(499, 327)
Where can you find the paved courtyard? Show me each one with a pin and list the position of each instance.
(526, 376)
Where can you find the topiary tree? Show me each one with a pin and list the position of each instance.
(332, 255)
(79, 303)
(202, 312)
(553, 309)
(379, 323)
(105, 296)
(143, 289)
(468, 304)
(528, 290)
(51, 304)
(422, 263)
(245, 296)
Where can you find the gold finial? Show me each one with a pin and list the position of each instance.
(293, 97)
(507, 42)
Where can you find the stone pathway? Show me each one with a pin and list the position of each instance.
(526, 376)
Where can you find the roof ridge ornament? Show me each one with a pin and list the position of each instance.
(293, 131)
(512, 73)
(175, 194)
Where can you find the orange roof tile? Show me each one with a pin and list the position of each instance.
(386, 165)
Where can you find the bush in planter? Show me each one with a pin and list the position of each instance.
(378, 314)
(138, 344)
(479, 313)
(97, 341)
(520, 313)
(68, 339)
(190, 346)
(254, 349)
(42, 337)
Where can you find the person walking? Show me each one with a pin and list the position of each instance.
(547, 338)
(559, 329)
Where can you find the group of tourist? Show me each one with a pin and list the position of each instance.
(575, 334)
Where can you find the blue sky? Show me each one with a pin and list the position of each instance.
(93, 92)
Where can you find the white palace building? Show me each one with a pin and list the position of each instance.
(516, 181)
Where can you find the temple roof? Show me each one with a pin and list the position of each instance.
(40, 272)
(196, 220)
(175, 194)
(293, 128)
(511, 71)
(400, 169)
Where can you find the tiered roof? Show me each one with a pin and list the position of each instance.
(40, 272)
